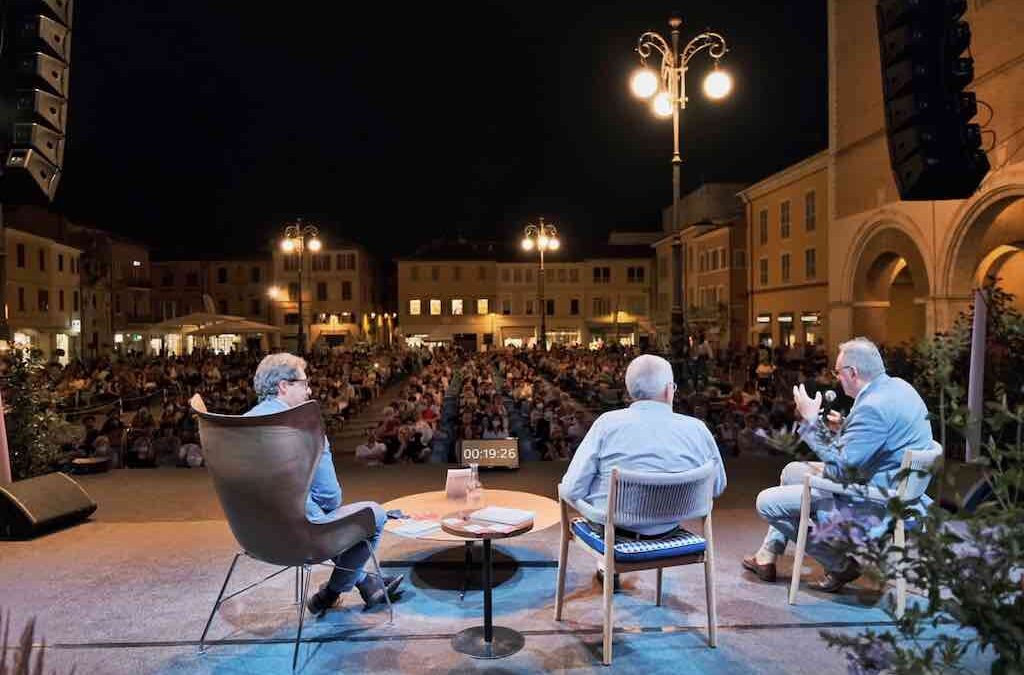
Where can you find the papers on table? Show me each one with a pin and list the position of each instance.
(503, 516)
(417, 528)
(479, 527)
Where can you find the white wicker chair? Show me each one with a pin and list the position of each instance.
(911, 487)
(637, 499)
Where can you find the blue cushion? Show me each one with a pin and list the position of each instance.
(677, 543)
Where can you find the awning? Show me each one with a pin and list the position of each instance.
(235, 326)
(191, 321)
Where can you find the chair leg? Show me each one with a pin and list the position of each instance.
(298, 584)
(710, 586)
(307, 574)
(609, 613)
(380, 575)
(801, 541)
(563, 559)
(900, 541)
(658, 598)
(216, 605)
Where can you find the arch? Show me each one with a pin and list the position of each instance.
(881, 221)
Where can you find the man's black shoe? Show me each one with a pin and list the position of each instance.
(321, 601)
(372, 590)
(836, 579)
(615, 581)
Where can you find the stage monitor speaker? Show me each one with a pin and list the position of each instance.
(38, 505)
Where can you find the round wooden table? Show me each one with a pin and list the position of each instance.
(436, 505)
(487, 641)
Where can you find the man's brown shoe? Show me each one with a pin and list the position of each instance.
(836, 579)
(764, 572)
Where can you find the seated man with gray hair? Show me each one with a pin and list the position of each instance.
(281, 383)
(646, 436)
(888, 417)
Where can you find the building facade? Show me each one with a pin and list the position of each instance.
(788, 243)
(899, 271)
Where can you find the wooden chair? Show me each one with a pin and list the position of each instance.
(262, 467)
(911, 488)
(637, 499)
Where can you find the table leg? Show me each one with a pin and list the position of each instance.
(488, 641)
(467, 569)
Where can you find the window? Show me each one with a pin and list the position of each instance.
(506, 306)
(414, 272)
(763, 227)
(702, 264)
(457, 306)
(762, 265)
(785, 267)
(254, 305)
(191, 279)
(517, 275)
(435, 273)
(346, 290)
(42, 260)
(784, 219)
(255, 275)
(435, 307)
(505, 276)
(293, 291)
(574, 276)
(481, 273)
(117, 304)
(291, 263)
(549, 306)
(325, 261)
(723, 258)
(550, 275)
(44, 300)
(457, 273)
(810, 211)
(21, 298)
(414, 308)
(562, 275)
(321, 290)
(74, 301)
(222, 275)
(483, 306)
(60, 300)
(635, 275)
(60, 262)
(602, 306)
(714, 259)
(291, 319)
(602, 275)
(529, 275)
(529, 306)
(347, 261)
(574, 306)
(810, 263)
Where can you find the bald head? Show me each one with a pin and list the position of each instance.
(647, 378)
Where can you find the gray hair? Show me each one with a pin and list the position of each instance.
(275, 368)
(862, 354)
(647, 376)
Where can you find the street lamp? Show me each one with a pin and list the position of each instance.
(668, 88)
(542, 237)
(298, 237)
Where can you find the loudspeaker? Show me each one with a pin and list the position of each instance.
(934, 150)
(34, 73)
(34, 506)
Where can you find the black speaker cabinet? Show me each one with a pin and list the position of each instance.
(38, 505)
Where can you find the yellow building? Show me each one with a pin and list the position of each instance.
(901, 270)
(477, 294)
(43, 294)
(788, 243)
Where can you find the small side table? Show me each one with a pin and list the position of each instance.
(487, 641)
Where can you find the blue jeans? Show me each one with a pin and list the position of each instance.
(342, 580)
(780, 506)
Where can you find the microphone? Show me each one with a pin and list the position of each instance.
(826, 406)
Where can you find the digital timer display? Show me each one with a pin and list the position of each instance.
(503, 452)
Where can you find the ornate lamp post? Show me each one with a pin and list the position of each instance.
(542, 237)
(297, 238)
(668, 89)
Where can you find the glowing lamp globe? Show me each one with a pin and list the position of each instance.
(527, 244)
(662, 105)
(315, 245)
(717, 84)
(287, 245)
(553, 243)
(644, 83)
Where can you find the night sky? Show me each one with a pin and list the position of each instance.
(200, 127)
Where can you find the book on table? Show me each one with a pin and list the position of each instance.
(416, 528)
(502, 515)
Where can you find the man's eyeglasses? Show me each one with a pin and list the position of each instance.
(835, 371)
(304, 380)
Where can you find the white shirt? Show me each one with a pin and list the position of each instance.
(646, 436)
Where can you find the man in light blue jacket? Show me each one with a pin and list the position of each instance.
(281, 383)
(888, 417)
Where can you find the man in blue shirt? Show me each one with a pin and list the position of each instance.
(646, 436)
(888, 417)
(281, 383)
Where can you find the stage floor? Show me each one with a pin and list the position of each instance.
(130, 590)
